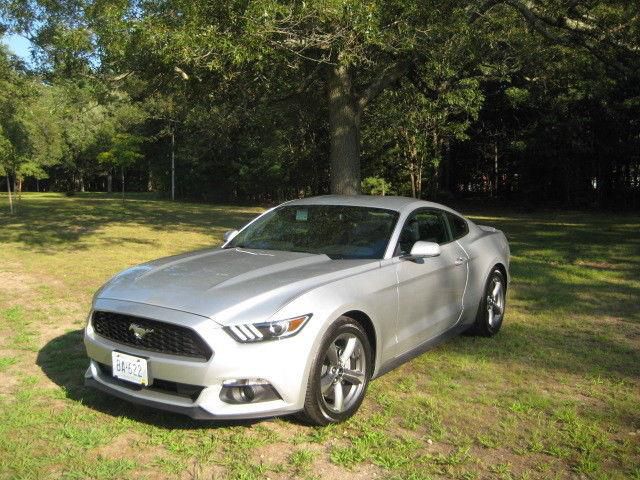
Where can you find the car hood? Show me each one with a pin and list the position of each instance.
(229, 285)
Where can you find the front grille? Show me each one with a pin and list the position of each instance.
(174, 388)
(160, 337)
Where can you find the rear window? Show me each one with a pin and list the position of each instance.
(459, 227)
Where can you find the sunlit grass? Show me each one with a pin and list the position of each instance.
(555, 395)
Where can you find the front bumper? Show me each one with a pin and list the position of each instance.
(201, 408)
(285, 367)
(192, 411)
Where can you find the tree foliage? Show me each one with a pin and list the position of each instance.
(264, 100)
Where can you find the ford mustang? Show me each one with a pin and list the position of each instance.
(298, 311)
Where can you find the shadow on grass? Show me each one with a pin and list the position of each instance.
(64, 361)
(571, 264)
(555, 348)
(46, 221)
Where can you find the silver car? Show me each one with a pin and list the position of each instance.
(297, 311)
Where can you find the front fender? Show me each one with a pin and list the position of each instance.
(373, 293)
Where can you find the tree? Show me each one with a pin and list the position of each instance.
(376, 186)
(32, 169)
(124, 152)
(350, 49)
(263, 93)
(43, 127)
(6, 152)
(360, 49)
(14, 142)
(411, 131)
(170, 112)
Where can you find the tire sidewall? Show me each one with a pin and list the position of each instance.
(342, 325)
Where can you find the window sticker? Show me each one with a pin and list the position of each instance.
(302, 215)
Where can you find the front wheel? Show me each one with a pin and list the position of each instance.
(340, 374)
(492, 306)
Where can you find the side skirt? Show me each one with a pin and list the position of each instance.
(420, 349)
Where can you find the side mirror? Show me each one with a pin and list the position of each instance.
(229, 235)
(425, 249)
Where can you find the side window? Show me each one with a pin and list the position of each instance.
(459, 227)
(423, 225)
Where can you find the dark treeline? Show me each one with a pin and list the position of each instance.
(532, 102)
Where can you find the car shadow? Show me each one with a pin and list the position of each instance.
(64, 361)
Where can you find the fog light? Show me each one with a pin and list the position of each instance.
(250, 390)
(248, 394)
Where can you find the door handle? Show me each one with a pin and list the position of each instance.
(460, 261)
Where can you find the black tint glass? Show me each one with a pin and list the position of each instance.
(335, 230)
(426, 226)
(458, 226)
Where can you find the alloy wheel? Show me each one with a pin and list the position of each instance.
(343, 373)
(495, 302)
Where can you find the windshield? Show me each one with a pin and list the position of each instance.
(336, 230)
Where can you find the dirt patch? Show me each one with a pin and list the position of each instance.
(285, 429)
(273, 453)
(17, 282)
(326, 470)
(124, 446)
(598, 265)
(8, 385)
(520, 465)
(50, 331)
(197, 471)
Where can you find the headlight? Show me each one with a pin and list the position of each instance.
(259, 332)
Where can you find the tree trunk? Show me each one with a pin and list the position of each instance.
(419, 178)
(437, 154)
(9, 192)
(149, 178)
(122, 179)
(173, 164)
(495, 168)
(109, 182)
(445, 170)
(344, 130)
(413, 178)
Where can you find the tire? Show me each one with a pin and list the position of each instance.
(337, 384)
(489, 320)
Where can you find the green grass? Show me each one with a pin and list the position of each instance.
(555, 395)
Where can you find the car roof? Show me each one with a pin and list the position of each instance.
(373, 201)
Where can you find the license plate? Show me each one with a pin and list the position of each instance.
(129, 368)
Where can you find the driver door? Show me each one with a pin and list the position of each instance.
(430, 290)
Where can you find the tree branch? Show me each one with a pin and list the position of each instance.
(576, 36)
(387, 77)
(421, 86)
(484, 8)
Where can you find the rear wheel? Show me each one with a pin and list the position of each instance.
(339, 375)
(492, 306)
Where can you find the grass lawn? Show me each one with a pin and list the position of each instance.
(555, 395)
